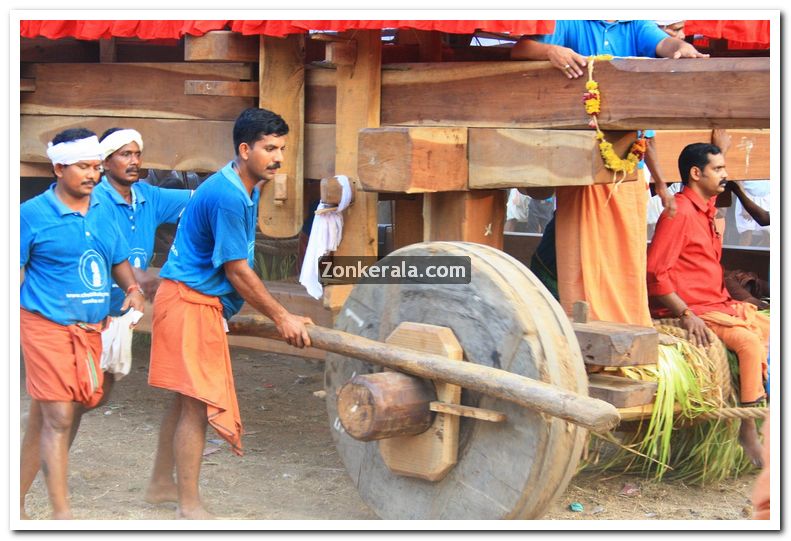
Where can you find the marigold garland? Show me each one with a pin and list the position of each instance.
(592, 100)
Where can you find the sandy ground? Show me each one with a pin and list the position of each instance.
(291, 469)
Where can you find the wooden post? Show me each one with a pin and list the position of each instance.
(282, 90)
(358, 102)
(475, 216)
(407, 220)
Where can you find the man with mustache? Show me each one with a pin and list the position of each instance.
(137, 209)
(70, 251)
(208, 276)
(685, 280)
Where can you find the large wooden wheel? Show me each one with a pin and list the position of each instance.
(505, 318)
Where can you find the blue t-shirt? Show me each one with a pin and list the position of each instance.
(151, 206)
(217, 225)
(620, 38)
(67, 259)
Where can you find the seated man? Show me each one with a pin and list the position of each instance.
(685, 279)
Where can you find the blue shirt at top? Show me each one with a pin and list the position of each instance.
(217, 225)
(67, 259)
(620, 38)
(138, 221)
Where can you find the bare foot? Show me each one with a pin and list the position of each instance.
(196, 513)
(161, 493)
(748, 438)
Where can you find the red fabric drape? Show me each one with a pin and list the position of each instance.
(175, 29)
(740, 34)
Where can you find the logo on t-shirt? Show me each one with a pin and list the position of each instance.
(93, 270)
(138, 258)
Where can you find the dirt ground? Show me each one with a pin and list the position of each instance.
(291, 469)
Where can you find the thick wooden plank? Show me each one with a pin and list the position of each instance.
(621, 392)
(107, 50)
(169, 144)
(320, 94)
(154, 90)
(247, 89)
(27, 84)
(747, 159)
(673, 94)
(604, 343)
(468, 411)
(221, 46)
(507, 158)
(319, 156)
(358, 104)
(476, 216)
(281, 89)
(412, 160)
(407, 221)
(57, 50)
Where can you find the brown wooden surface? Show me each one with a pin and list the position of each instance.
(532, 157)
(169, 144)
(431, 454)
(57, 50)
(621, 392)
(319, 157)
(27, 84)
(468, 411)
(636, 94)
(385, 405)
(221, 46)
(407, 221)
(617, 344)
(476, 216)
(747, 158)
(146, 90)
(358, 94)
(412, 160)
(282, 86)
(320, 94)
(246, 89)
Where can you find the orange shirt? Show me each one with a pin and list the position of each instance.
(684, 257)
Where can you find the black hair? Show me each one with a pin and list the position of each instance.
(695, 155)
(72, 134)
(108, 132)
(254, 124)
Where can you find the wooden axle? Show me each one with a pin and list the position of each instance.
(590, 413)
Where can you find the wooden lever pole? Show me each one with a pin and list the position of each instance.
(590, 413)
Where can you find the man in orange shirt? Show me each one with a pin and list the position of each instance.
(685, 279)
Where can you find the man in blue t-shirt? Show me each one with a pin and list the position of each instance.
(207, 277)
(70, 250)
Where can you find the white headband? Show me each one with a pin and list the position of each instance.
(119, 138)
(74, 151)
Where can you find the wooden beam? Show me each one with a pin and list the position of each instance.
(58, 50)
(320, 94)
(319, 159)
(281, 89)
(605, 343)
(358, 104)
(412, 160)
(154, 90)
(169, 144)
(507, 158)
(221, 46)
(673, 94)
(476, 216)
(27, 84)
(246, 89)
(407, 221)
(621, 392)
(107, 50)
(747, 159)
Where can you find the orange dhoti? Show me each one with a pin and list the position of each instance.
(747, 335)
(189, 355)
(601, 242)
(61, 361)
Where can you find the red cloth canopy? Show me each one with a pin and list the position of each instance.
(176, 29)
(743, 34)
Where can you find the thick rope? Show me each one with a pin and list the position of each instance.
(734, 413)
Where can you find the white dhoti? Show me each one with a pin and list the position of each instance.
(117, 344)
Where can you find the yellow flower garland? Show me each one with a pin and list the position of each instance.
(612, 161)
